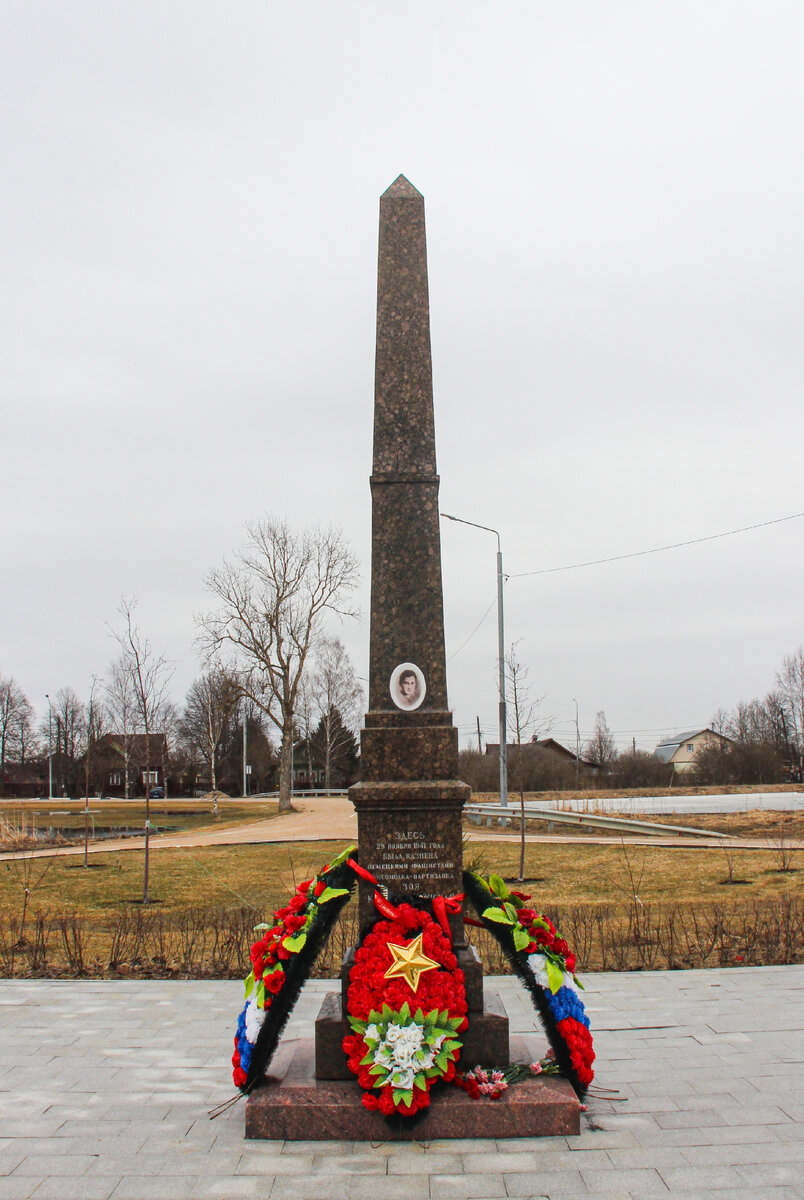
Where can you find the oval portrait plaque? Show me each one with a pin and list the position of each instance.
(407, 686)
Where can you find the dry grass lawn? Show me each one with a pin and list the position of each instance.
(263, 875)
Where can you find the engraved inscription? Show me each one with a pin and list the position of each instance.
(409, 860)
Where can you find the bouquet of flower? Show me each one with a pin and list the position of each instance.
(406, 1004)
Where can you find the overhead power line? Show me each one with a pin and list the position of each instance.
(597, 562)
(712, 537)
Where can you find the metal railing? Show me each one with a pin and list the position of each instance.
(476, 813)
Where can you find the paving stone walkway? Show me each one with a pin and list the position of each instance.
(105, 1089)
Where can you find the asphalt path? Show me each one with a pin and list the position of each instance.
(326, 819)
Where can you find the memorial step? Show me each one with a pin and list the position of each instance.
(295, 1106)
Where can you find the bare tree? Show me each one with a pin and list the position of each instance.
(306, 720)
(790, 685)
(16, 722)
(525, 723)
(600, 748)
(338, 698)
(272, 599)
(170, 728)
(95, 718)
(150, 674)
(122, 707)
(208, 711)
(69, 727)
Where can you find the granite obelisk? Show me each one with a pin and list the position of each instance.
(409, 799)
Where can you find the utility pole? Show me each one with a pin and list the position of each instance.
(479, 745)
(245, 736)
(49, 747)
(500, 656)
(577, 747)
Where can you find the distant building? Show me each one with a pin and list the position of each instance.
(681, 749)
(110, 762)
(547, 745)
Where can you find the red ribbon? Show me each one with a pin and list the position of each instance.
(447, 904)
(385, 907)
(362, 872)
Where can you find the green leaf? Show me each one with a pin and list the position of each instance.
(441, 1061)
(261, 995)
(499, 915)
(358, 1025)
(342, 857)
(521, 938)
(401, 1096)
(419, 1082)
(419, 1017)
(374, 1017)
(377, 1070)
(249, 983)
(555, 976)
(295, 944)
(578, 983)
(405, 1011)
(330, 894)
(367, 1058)
(509, 908)
(497, 886)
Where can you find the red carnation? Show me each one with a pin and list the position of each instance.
(239, 1076)
(526, 915)
(370, 1101)
(273, 983)
(386, 1102)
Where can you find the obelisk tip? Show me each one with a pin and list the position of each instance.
(400, 189)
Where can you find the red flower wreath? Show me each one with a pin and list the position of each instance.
(439, 1001)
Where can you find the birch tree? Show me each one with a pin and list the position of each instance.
(208, 711)
(525, 722)
(122, 708)
(16, 722)
(339, 699)
(790, 686)
(272, 597)
(150, 674)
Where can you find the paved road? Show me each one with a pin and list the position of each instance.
(105, 1089)
(631, 805)
(333, 818)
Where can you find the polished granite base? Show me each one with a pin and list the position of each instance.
(295, 1106)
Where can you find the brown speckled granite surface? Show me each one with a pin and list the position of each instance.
(409, 801)
(296, 1106)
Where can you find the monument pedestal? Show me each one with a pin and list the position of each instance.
(296, 1106)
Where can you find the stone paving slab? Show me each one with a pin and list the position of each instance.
(106, 1086)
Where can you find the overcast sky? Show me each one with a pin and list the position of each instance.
(614, 197)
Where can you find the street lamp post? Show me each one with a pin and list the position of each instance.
(500, 657)
(577, 746)
(49, 748)
(245, 751)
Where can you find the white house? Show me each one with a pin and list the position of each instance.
(681, 749)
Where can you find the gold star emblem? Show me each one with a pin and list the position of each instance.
(410, 962)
